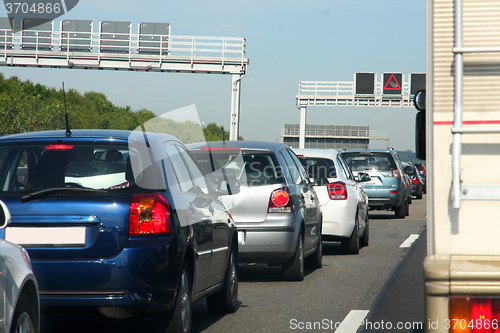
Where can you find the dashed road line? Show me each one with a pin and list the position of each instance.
(352, 321)
(409, 240)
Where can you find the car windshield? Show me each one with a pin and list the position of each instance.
(250, 167)
(319, 167)
(28, 168)
(368, 161)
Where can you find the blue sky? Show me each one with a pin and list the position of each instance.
(287, 42)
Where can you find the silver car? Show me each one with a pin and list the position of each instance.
(276, 211)
(18, 285)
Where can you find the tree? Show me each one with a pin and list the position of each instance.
(213, 132)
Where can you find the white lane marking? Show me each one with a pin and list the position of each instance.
(352, 321)
(409, 240)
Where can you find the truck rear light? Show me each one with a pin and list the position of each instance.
(280, 201)
(149, 214)
(474, 314)
(337, 191)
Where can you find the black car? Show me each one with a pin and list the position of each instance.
(417, 184)
(124, 222)
(421, 168)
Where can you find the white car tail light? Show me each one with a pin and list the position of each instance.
(337, 191)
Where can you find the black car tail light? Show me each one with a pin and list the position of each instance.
(149, 214)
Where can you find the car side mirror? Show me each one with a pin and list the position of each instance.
(419, 100)
(228, 186)
(363, 177)
(5, 216)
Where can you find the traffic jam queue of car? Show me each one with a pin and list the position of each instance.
(138, 224)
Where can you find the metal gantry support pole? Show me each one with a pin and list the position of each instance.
(458, 109)
(302, 127)
(234, 126)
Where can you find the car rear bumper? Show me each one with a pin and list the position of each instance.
(338, 219)
(387, 202)
(272, 242)
(142, 275)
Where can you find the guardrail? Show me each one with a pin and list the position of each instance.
(120, 43)
(336, 133)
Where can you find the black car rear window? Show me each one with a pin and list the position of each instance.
(366, 161)
(26, 168)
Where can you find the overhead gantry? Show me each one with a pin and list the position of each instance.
(114, 46)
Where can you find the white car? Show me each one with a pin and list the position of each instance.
(343, 201)
(19, 301)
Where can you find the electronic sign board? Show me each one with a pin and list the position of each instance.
(365, 83)
(392, 83)
(417, 82)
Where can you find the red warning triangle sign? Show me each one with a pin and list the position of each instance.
(392, 84)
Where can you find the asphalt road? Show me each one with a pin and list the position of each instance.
(382, 283)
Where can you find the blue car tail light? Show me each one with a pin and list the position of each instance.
(149, 214)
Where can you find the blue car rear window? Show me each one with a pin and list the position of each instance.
(31, 167)
(370, 161)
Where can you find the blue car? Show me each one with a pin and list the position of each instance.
(121, 221)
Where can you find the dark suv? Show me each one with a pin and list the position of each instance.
(121, 221)
(387, 189)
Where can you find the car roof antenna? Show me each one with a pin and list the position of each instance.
(68, 131)
(223, 139)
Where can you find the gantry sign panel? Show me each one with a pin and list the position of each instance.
(392, 83)
(365, 83)
(417, 82)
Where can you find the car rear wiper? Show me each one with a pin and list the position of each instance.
(48, 191)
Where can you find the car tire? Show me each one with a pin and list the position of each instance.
(407, 209)
(177, 320)
(366, 236)
(351, 245)
(226, 299)
(400, 211)
(25, 316)
(293, 270)
(315, 260)
(419, 196)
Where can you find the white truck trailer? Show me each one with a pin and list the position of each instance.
(462, 148)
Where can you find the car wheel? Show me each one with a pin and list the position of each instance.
(225, 300)
(400, 211)
(179, 318)
(407, 208)
(419, 196)
(315, 260)
(366, 236)
(294, 269)
(25, 317)
(351, 244)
